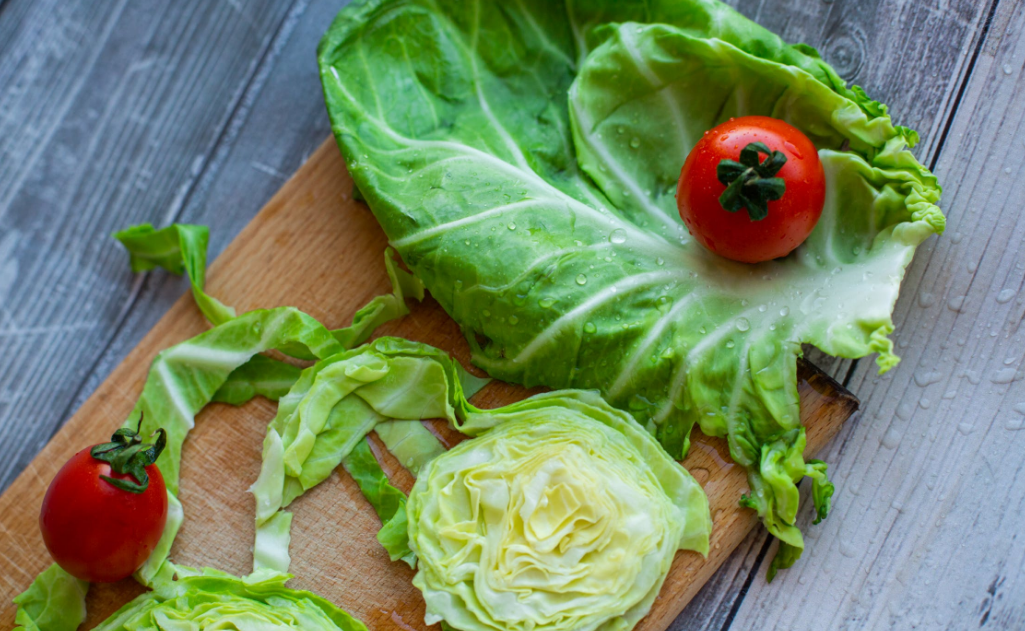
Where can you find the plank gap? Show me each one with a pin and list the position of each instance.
(965, 80)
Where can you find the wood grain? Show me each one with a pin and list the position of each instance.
(916, 57)
(913, 56)
(109, 113)
(928, 527)
(279, 259)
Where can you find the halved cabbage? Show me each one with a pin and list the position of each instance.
(210, 599)
(567, 515)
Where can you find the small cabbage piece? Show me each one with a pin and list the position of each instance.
(260, 376)
(322, 422)
(181, 248)
(178, 248)
(54, 602)
(210, 599)
(522, 157)
(567, 515)
(183, 379)
(387, 501)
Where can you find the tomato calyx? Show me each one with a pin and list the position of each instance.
(752, 183)
(128, 455)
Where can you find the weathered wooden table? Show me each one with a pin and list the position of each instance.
(116, 112)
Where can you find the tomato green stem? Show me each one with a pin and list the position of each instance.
(751, 183)
(128, 455)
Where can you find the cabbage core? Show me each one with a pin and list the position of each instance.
(550, 521)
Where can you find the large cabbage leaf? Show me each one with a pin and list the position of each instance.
(521, 157)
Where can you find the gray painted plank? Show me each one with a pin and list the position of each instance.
(108, 112)
(914, 56)
(281, 120)
(927, 532)
(910, 55)
(275, 117)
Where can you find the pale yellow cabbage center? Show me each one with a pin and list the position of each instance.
(551, 523)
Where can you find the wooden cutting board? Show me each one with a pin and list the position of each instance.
(313, 247)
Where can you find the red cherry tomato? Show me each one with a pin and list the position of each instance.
(96, 531)
(736, 235)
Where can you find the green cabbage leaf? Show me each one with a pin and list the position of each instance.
(324, 419)
(55, 601)
(184, 378)
(210, 599)
(181, 248)
(388, 502)
(260, 376)
(522, 157)
(178, 248)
